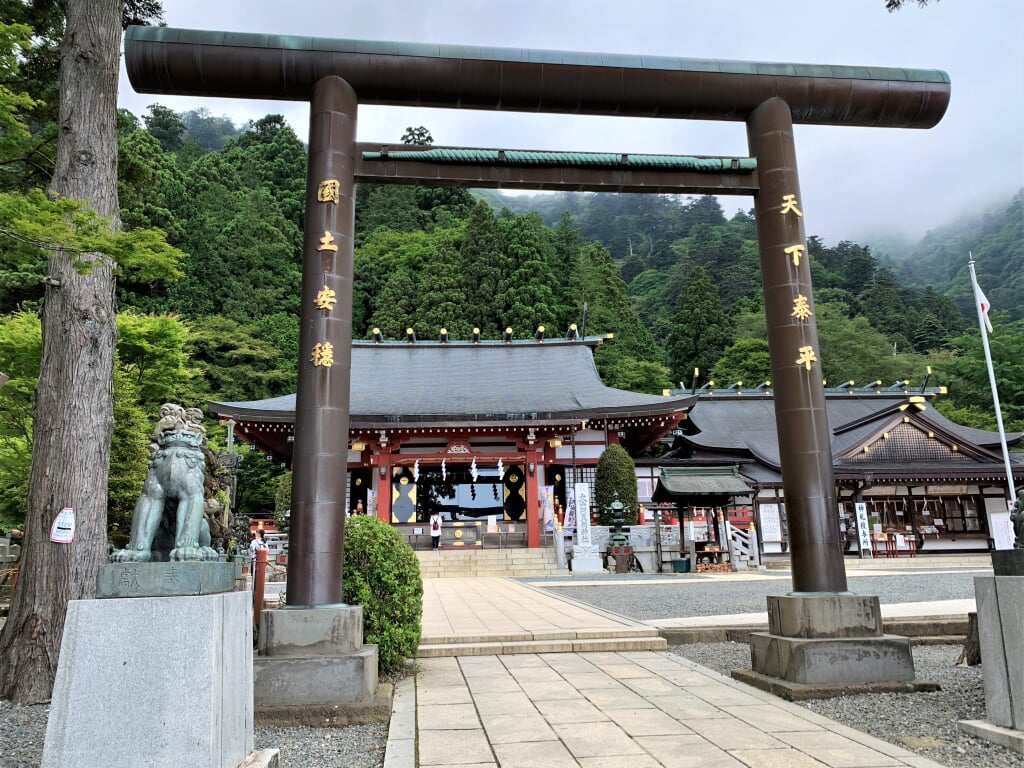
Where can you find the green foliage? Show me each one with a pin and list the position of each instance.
(382, 574)
(615, 479)
(14, 40)
(283, 499)
(20, 350)
(700, 328)
(746, 360)
(526, 299)
(151, 351)
(966, 375)
(129, 456)
(995, 239)
(483, 265)
(257, 485)
(236, 362)
(60, 223)
(439, 300)
(631, 360)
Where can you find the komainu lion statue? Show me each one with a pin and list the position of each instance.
(168, 522)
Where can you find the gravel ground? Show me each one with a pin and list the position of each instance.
(22, 730)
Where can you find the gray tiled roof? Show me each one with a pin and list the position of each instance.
(698, 481)
(459, 382)
(746, 425)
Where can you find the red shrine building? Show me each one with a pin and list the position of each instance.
(483, 431)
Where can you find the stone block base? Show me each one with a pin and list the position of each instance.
(312, 657)
(830, 640)
(1000, 602)
(833, 661)
(290, 681)
(164, 681)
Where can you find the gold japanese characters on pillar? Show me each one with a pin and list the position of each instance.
(326, 299)
(323, 354)
(327, 243)
(796, 251)
(328, 191)
(789, 205)
(801, 307)
(807, 357)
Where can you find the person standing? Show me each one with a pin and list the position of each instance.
(258, 542)
(435, 530)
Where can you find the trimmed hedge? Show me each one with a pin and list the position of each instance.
(615, 478)
(382, 574)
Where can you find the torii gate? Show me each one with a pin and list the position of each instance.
(335, 76)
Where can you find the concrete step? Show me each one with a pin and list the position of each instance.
(567, 641)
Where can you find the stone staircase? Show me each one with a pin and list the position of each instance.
(442, 563)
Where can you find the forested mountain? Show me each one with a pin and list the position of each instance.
(674, 279)
(995, 239)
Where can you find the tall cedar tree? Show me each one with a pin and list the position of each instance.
(73, 412)
(700, 328)
(482, 268)
(529, 298)
(441, 302)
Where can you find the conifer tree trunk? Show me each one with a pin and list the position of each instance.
(73, 412)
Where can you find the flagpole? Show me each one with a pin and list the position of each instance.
(992, 381)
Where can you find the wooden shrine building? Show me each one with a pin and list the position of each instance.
(925, 482)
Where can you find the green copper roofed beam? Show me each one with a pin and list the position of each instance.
(196, 63)
(556, 171)
(573, 159)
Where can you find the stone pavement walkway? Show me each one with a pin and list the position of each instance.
(624, 708)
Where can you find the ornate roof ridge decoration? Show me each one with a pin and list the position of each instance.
(901, 426)
(590, 341)
(195, 62)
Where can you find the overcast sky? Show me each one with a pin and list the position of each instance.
(973, 159)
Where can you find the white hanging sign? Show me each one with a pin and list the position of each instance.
(63, 529)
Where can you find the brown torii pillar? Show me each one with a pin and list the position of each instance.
(816, 551)
(320, 456)
(769, 97)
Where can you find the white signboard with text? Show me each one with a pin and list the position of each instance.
(771, 522)
(582, 498)
(863, 534)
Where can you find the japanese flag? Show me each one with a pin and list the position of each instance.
(983, 303)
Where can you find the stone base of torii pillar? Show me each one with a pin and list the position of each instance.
(824, 645)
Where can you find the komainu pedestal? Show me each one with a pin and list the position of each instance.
(158, 681)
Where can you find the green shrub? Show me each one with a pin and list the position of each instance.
(382, 574)
(615, 477)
